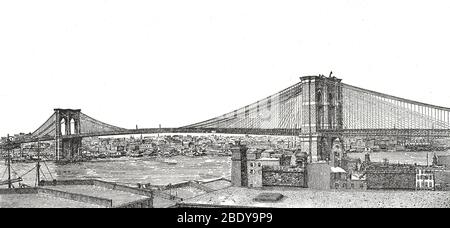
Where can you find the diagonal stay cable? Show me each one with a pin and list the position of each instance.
(34, 167)
(14, 172)
(4, 173)
(48, 170)
(48, 122)
(43, 174)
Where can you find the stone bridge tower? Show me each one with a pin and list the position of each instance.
(68, 127)
(321, 110)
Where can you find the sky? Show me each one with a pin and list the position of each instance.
(177, 62)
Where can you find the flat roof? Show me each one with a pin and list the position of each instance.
(218, 184)
(186, 192)
(40, 200)
(337, 170)
(159, 202)
(309, 198)
(118, 197)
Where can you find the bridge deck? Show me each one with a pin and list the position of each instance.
(439, 133)
(436, 133)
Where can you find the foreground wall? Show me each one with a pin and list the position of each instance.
(283, 176)
(319, 176)
(442, 178)
(391, 180)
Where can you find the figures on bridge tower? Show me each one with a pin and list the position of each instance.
(321, 113)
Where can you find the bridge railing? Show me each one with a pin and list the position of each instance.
(244, 131)
(438, 133)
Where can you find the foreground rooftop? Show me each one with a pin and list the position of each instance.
(309, 198)
(40, 200)
(76, 194)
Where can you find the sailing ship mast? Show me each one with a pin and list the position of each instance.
(9, 146)
(9, 162)
(10, 181)
(38, 164)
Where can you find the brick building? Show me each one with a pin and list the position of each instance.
(391, 176)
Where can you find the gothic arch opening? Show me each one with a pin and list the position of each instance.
(337, 148)
(322, 149)
(331, 111)
(63, 126)
(319, 97)
(330, 99)
(72, 126)
(320, 111)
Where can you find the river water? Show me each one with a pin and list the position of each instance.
(150, 170)
(129, 170)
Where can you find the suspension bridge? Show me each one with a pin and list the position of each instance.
(318, 110)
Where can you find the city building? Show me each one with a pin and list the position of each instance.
(254, 171)
(425, 179)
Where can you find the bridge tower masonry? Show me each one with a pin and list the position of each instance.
(68, 123)
(322, 109)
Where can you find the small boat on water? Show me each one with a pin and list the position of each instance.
(170, 161)
(137, 155)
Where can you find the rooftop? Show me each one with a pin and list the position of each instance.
(308, 198)
(118, 197)
(40, 200)
(76, 194)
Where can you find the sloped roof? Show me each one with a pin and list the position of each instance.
(337, 170)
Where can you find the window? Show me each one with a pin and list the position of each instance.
(63, 126)
(72, 127)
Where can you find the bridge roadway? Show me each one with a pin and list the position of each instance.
(247, 131)
(433, 133)
(281, 132)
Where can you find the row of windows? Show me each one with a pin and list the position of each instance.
(253, 164)
(344, 185)
(425, 184)
(252, 171)
(425, 177)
